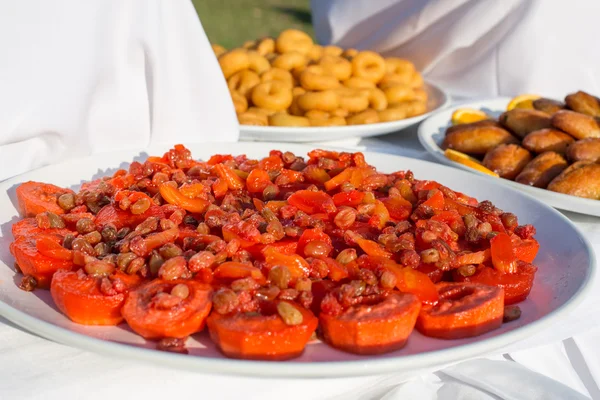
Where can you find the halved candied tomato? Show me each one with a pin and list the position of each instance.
(258, 180)
(398, 207)
(372, 328)
(154, 312)
(29, 227)
(297, 265)
(110, 214)
(287, 247)
(312, 202)
(464, 310)
(502, 252)
(311, 235)
(35, 264)
(85, 301)
(516, 285)
(352, 198)
(525, 249)
(232, 270)
(264, 335)
(36, 197)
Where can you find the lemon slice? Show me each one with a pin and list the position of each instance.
(468, 115)
(468, 161)
(522, 101)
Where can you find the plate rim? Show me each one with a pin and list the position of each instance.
(250, 132)
(425, 132)
(293, 369)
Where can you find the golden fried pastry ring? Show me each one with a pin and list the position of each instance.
(290, 61)
(355, 82)
(243, 81)
(258, 63)
(368, 65)
(369, 116)
(239, 101)
(284, 119)
(353, 100)
(315, 77)
(273, 95)
(234, 61)
(278, 74)
(337, 66)
(326, 100)
(294, 40)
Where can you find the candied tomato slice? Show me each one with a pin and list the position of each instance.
(29, 227)
(464, 310)
(287, 247)
(351, 198)
(271, 163)
(372, 328)
(398, 207)
(34, 263)
(80, 297)
(451, 218)
(226, 174)
(516, 285)
(36, 197)
(525, 249)
(312, 202)
(264, 335)
(257, 180)
(244, 231)
(311, 235)
(173, 196)
(502, 252)
(110, 214)
(297, 265)
(232, 270)
(436, 201)
(153, 313)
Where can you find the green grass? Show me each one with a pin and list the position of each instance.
(232, 22)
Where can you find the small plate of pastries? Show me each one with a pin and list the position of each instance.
(548, 148)
(290, 89)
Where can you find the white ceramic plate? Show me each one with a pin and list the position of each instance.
(431, 134)
(566, 264)
(437, 99)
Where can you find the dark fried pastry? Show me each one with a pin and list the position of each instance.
(578, 125)
(485, 122)
(522, 121)
(541, 170)
(584, 103)
(585, 150)
(477, 140)
(548, 106)
(581, 179)
(507, 160)
(547, 140)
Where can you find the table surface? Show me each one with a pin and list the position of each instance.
(543, 366)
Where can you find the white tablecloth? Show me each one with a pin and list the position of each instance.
(560, 363)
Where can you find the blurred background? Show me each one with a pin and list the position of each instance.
(232, 22)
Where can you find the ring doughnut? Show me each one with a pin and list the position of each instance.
(317, 114)
(395, 79)
(234, 61)
(399, 93)
(249, 44)
(369, 116)
(336, 66)
(283, 119)
(294, 108)
(420, 94)
(262, 111)
(278, 74)
(218, 50)
(400, 66)
(239, 101)
(416, 80)
(290, 61)
(243, 81)
(355, 82)
(271, 57)
(265, 46)
(329, 121)
(298, 90)
(340, 112)
(294, 40)
(252, 118)
(273, 95)
(377, 99)
(393, 113)
(349, 54)
(315, 77)
(326, 100)
(333, 51)
(352, 100)
(368, 65)
(258, 63)
(415, 107)
(315, 53)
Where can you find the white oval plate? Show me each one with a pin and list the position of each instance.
(566, 264)
(437, 99)
(431, 134)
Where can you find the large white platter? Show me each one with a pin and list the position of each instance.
(431, 135)
(566, 265)
(437, 99)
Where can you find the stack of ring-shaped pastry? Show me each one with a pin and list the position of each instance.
(291, 81)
